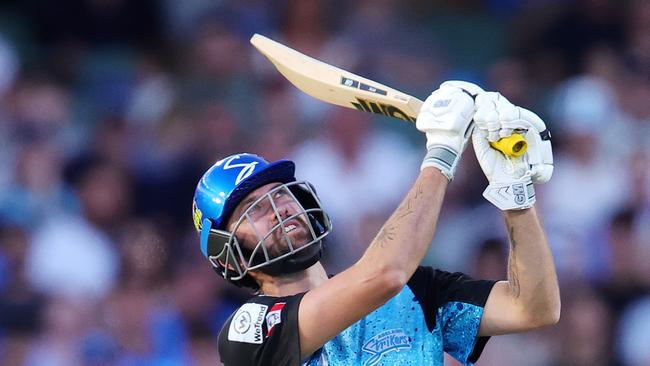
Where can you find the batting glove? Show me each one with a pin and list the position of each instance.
(446, 119)
(510, 178)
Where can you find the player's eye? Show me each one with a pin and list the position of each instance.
(253, 210)
(279, 194)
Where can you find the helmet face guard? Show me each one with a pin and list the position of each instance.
(292, 243)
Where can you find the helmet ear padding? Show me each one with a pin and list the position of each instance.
(217, 241)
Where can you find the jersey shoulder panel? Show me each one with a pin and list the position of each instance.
(434, 288)
(263, 331)
(454, 303)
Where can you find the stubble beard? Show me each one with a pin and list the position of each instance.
(299, 237)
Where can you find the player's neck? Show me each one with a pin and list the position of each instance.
(294, 283)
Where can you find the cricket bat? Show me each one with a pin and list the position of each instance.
(336, 86)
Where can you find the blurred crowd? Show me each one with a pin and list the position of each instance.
(110, 111)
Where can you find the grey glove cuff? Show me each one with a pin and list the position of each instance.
(443, 158)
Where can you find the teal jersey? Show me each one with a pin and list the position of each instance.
(436, 312)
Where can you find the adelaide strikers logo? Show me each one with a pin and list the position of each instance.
(385, 342)
(246, 168)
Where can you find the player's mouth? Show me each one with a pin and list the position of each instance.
(295, 229)
(290, 228)
(292, 225)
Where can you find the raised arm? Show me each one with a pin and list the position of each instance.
(402, 242)
(530, 298)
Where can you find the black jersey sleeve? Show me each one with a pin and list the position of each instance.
(456, 301)
(263, 331)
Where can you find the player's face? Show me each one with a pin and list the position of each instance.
(261, 212)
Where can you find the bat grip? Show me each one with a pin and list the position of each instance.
(514, 145)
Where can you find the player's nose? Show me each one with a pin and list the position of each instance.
(279, 213)
(283, 212)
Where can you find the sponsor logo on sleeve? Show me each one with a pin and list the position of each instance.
(274, 317)
(385, 342)
(246, 325)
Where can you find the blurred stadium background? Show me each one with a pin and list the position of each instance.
(110, 110)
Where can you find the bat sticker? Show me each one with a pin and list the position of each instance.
(349, 82)
(372, 89)
(361, 86)
(384, 109)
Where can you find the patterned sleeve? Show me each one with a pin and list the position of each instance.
(461, 300)
(457, 301)
(263, 331)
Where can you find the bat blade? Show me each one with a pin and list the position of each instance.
(337, 86)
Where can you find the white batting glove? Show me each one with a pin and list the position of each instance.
(510, 178)
(446, 119)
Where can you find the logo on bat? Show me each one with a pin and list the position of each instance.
(361, 86)
(381, 108)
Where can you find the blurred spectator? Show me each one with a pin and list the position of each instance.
(633, 335)
(554, 36)
(281, 129)
(346, 154)
(585, 330)
(20, 305)
(623, 275)
(64, 324)
(37, 191)
(39, 107)
(153, 95)
(638, 33)
(74, 255)
(94, 22)
(69, 257)
(9, 65)
(147, 328)
(304, 24)
(490, 262)
(586, 107)
(204, 305)
(145, 258)
(532, 348)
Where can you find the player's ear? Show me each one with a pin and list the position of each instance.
(230, 266)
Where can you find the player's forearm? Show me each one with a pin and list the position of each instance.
(531, 271)
(403, 240)
(382, 271)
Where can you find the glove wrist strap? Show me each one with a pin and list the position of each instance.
(443, 158)
(515, 195)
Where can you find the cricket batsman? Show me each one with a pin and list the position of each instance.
(263, 229)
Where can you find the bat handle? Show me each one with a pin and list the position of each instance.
(514, 145)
